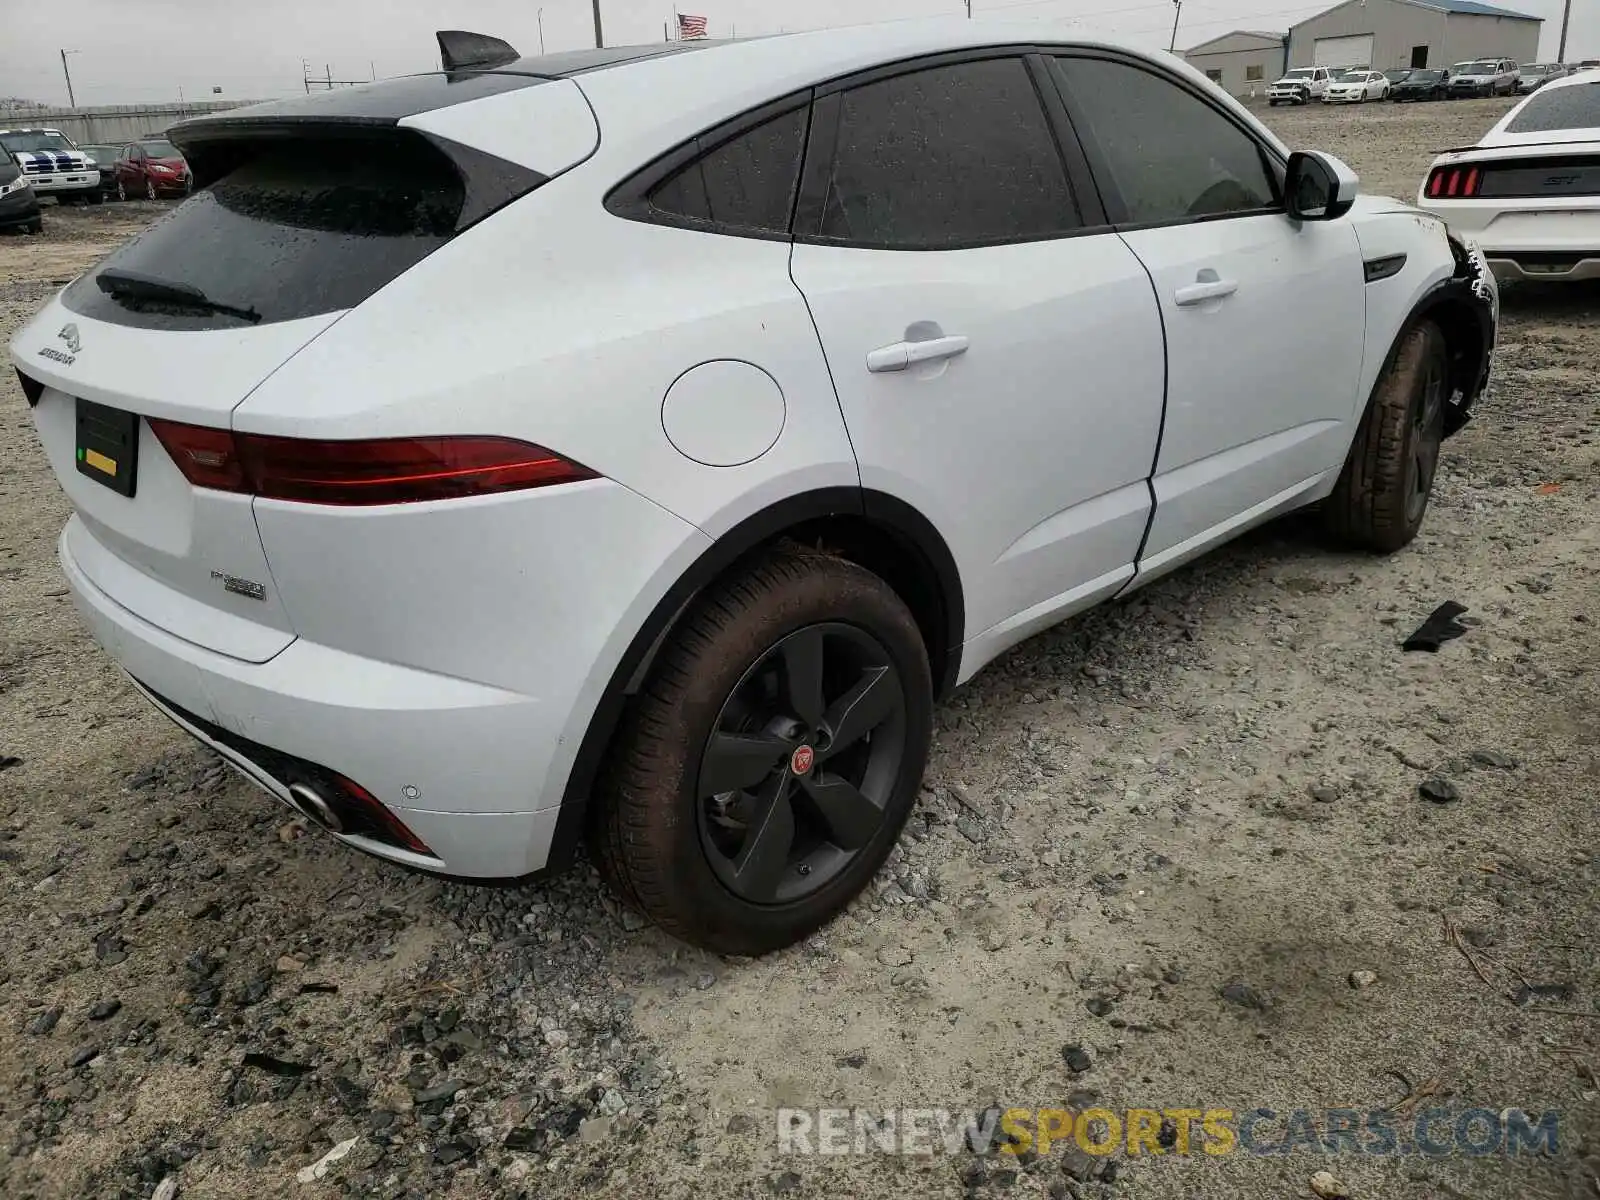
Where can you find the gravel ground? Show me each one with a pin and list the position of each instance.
(1155, 846)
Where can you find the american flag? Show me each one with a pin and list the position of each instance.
(691, 27)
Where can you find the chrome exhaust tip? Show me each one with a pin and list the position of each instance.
(310, 802)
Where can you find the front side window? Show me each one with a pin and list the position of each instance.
(950, 156)
(747, 183)
(1170, 155)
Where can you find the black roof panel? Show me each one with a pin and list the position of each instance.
(392, 100)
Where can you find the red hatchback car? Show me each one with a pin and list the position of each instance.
(150, 168)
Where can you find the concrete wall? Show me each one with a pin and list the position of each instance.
(1396, 28)
(1472, 36)
(1233, 56)
(112, 123)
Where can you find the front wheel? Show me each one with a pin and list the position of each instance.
(122, 189)
(762, 775)
(1383, 492)
(149, 189)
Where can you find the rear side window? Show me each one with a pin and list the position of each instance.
(298, 227)
(1170, 155)
(1576, 107)
(746, 184)
(959, 155)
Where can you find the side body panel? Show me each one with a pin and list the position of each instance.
(1030, 450)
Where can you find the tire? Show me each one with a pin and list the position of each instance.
(36, 225)
(1382, 494)
(672, 848)
(122, 189)
(1272, 104)
(150, 189)
(96, 198)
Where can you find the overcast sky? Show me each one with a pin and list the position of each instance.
(146, 50)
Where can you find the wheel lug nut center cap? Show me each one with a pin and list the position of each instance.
(802, 760)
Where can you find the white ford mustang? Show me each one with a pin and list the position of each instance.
(1529, 192)
(636, 443)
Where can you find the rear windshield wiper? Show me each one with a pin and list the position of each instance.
(130, 285)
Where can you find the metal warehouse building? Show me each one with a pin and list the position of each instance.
(1241, 62)
(1412, 33)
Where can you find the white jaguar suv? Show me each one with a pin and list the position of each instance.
(635, 443)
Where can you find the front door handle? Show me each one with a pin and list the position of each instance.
(901, 355)
(1208, 285)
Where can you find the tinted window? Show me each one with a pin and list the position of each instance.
(298, 228)
(746, 183)
(1171, 156)
(1556, 107)
(950, 156)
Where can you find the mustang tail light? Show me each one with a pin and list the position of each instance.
(377, 471)
(1454, 183)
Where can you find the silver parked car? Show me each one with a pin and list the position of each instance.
(1534, 76)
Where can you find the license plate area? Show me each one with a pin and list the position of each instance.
(107, 446)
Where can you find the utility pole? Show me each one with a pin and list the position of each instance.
(969, 10)
(599, 38)
(1177, 11)
(1566, 19)
(540, 18)
(305, 75)
(72, 101)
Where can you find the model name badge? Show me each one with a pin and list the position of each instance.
(241, 587)
(55, 355)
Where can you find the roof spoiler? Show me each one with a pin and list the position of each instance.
(459, 49)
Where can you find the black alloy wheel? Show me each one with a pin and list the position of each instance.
(771, 757)
(1427, 435)
(797, 774)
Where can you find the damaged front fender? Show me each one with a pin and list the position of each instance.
(1466, 307)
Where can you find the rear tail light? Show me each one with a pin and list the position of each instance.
(380, 471)
(1453, 183)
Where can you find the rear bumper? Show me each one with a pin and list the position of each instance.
(465, 750)
(1546, 266)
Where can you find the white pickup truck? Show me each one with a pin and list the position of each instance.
(1300, 86)
(52, 164)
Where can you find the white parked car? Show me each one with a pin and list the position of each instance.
(1355, 87)
(1529, 191)
(1300, 86)
(645, 439)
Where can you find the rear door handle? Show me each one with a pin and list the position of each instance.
(901, 355)
(1207, 287)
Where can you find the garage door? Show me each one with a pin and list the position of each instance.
(1342, 51)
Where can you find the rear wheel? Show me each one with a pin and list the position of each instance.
(36, 226)
(766, 768)
(1383, 493)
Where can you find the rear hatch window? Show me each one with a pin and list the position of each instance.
(1548, 110)
(289, 227)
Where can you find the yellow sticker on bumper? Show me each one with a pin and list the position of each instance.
(100, 462)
